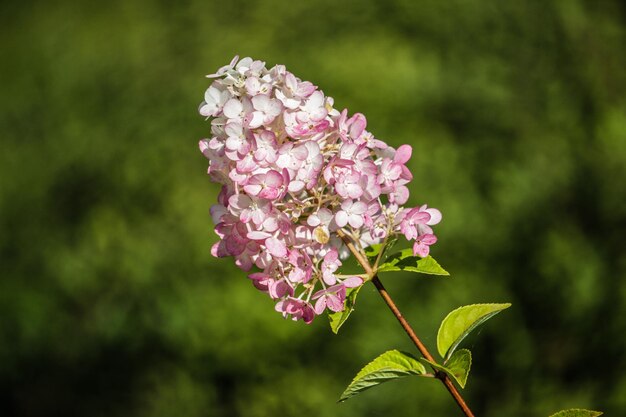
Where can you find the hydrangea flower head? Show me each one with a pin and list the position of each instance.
(294, 172)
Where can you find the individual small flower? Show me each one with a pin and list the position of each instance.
(332, 297)
(412, 221)
(351, 129)
(321, 221)
(249, 208)
(351, 213)
(294, 92)
(268, 185)
(238, 111)
(350, 184)
(214, 100)
(296, 308)
(313, 110)
(421, 247)
(330, 264)
(237, 141)
(255, 86)
(265, 110)
(302, 266)
(276, 247)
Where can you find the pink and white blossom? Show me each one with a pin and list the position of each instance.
(294, 172)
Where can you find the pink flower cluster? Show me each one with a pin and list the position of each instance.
(294, 171)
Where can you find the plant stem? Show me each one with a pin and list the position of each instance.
(362, 260)
(418, 343)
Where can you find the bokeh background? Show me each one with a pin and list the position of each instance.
(111, 305)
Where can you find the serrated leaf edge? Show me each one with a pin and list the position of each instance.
(591, 413)
(391, 267)
(361, 375)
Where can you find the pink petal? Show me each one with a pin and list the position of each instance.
(252, 189)
(300, 153)
(233, 143)
(279, 289)
(257, 235)
(307, 314)
(247, 164)
(276, 247)
(320, 305)
(257, 217)
(401, 195)
(273, 179)
(358, 125)
(270, 224)
(420, 249)
(394, 172)
(331, 256)
(420, 217)
(334, 303)
(239, 201)
(352, 282)
(269, 193)
(428, 239)
(329, 278)
(280, 306)
(403, 154)
(354, 190)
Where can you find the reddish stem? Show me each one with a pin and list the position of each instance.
(362, 260)
(418, 343)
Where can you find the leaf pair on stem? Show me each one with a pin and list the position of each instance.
(454, 328)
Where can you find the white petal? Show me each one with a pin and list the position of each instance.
(435, 216)
(260, 102)
(233, 108)
(341, 218)
(212, 95)
(295, 186)
(256, 120)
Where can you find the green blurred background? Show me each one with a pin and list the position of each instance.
(111, 305)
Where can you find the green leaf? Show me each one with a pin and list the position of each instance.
(373, 251)
(577, 412)
(390, 365)
(456, 367)
(460, 322)
(405, 261)
(338, 319)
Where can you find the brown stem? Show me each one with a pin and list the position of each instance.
(405, 324)
(409, 331)
(361, 259)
